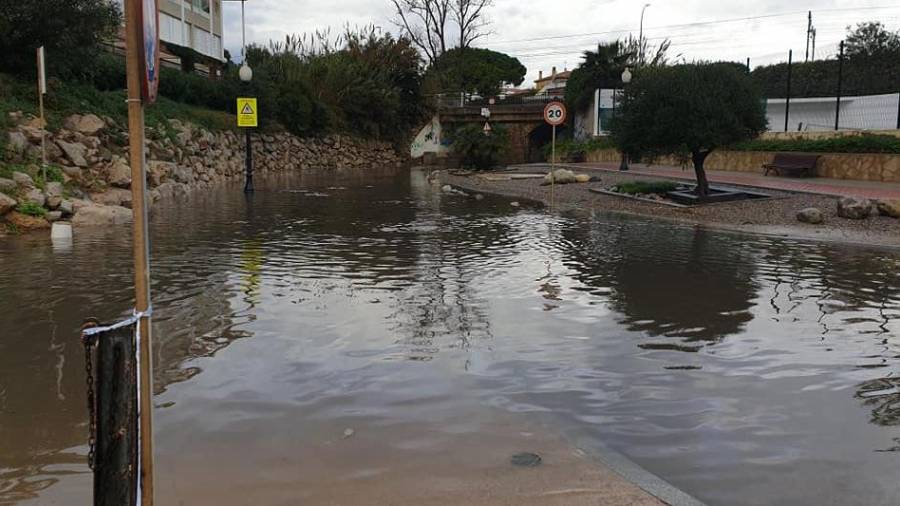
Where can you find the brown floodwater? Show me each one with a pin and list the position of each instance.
(343, 342)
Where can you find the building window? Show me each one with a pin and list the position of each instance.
(201, 41)
(170, 29)
(201, 6)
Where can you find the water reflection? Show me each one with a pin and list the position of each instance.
(747, 370)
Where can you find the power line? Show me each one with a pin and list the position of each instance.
(695, 24)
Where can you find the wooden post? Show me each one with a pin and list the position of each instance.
(134, 68)
(116, 445)
(787, 100)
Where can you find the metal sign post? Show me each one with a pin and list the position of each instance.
(554, 115)
(247, 118)
(42, 90)
(142, 66)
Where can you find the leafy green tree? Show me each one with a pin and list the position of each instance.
(478, 150)
(69, 30)
(871, 39)
(688, 110)
(476, 70)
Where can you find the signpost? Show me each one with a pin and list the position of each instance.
(247, 118)
(554, 115)
(142, 67)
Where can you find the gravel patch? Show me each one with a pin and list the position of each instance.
(774, 216)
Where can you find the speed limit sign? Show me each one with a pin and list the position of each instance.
(555, 113)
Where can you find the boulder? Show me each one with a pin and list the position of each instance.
(74, 151)
(18, 143)
(7, 185)
(890, 208)
(33, 134)
(53, 216)
(854, 208)
(118, 174)
(560, 176)
(182, 174)
(7, 204)
(158, 171)
(24, 222)
(113, 197)
(582, 178)
(36, 197)
(23, 180)
(67, 207)
(53, 203)
(88, 124)
(811, 215)
(54, 189)
(98, 216)
(73, 172)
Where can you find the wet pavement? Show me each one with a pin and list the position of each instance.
(347, 342)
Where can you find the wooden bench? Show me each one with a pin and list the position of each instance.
(793, 165)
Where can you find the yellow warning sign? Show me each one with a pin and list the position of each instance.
(247, 112)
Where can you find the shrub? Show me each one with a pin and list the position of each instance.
(477, 150)
(645, 187)
(570, 149)
(31, 209)
(865, 143)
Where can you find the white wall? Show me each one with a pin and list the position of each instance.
(429, 140)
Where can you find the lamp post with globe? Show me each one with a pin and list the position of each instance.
(626, 78)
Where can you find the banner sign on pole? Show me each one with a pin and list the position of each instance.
(42, 71)
(150, 49)
(247, 113)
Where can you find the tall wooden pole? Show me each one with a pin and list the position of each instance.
(133, 58)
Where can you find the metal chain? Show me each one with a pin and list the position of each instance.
(90, 344)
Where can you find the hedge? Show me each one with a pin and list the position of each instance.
(862, 76)
(853, 144)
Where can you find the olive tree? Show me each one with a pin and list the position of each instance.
(688, 110)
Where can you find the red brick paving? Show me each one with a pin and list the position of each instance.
(821, 186)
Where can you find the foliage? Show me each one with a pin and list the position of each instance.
(871, 39)
(603, 68)
(862, 76)
(31, 209)
(188, 56)
(645, 187)
(865, 143)
(69, 30)
(569, 149)
(476, 70)
(477, 150)
(693, 109)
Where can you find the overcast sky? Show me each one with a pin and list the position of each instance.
(569, 27)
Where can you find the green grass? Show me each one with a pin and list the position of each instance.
(645, 187)
(31, 209)
(65, 99)
(866, 143)
(569, 147)
(54, 172)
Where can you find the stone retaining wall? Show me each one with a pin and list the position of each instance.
(182, 158)
(855, 166)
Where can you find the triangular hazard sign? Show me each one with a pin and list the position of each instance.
(247, 109)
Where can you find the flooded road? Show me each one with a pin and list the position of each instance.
(337, 342)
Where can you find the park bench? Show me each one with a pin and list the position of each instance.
(793, 165)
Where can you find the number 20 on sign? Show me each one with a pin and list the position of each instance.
(555, 113)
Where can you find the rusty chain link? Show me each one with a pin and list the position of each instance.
(90, 344)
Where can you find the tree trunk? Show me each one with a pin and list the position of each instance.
(702, 183)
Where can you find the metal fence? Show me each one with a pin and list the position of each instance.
(460, 100)
(871, 112)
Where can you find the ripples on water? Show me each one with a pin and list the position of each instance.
(745, 370)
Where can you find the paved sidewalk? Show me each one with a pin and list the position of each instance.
(821, 186)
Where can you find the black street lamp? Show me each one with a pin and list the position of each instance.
(246, 74)
(626, 78)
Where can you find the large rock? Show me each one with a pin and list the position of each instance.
(113, 197)
(67, 207)
(7, 204)
(182, 174)
(36, 197)
(7, 185)
(811, 215)
(54, 189)
(23, 180)
(74, 151)
(119, 174)
(18, 143)
(560, 176)
(99, 216)
(889, 208)
(88, 124)
(158, 171)
(854, 208)
(24, 222)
